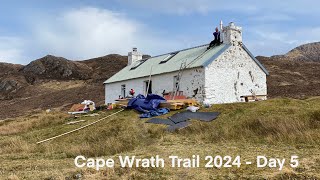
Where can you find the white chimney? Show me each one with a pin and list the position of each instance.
(232, 34)
(221, 31)
(134, 56)
(221, 25)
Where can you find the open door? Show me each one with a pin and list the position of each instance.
(123, 90)
(148, 87)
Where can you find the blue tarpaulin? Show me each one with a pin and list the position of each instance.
(148, 105)
(153, 113)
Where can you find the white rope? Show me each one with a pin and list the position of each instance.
(79, 128)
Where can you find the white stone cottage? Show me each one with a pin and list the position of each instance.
(224, 74)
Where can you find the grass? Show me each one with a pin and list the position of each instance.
(63, 85)
(275, 128)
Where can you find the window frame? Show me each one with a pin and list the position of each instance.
(139, 64)
(170, 56)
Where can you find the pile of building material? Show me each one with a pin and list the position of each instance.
(179, 104)
(253, 97)
(148, 106)
(121, 103)
(172, 95)
(170, 104)
(85, 107)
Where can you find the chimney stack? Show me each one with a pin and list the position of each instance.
(232, 34)
(134, 56)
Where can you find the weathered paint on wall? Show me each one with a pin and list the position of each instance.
(231, 75)
(192, 85)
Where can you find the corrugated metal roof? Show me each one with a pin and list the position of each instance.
(195, 57)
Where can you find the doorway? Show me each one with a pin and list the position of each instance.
(123, 90)
(148, 87)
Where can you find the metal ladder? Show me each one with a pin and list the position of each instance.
(183, 66)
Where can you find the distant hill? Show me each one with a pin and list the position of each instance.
(306, 52)
(295, 74)
(50, 67)
(51, 82)
(106, 66)
(59, 68)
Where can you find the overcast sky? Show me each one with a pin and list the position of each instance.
(81, 29)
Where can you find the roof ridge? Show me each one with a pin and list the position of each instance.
(188, 54)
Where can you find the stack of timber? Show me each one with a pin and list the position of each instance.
(170, 104)
(178, 104)
(251, 98)
(121, 103)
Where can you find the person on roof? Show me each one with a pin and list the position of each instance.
(216, 41)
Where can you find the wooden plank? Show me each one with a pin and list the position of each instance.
(124, 99)
(249, 98)
(186, 102)
(120, 103)
(172, 105)
(183, 100)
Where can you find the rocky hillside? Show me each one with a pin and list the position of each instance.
(52, 82)
(306, 52)
(11, 79)
(104, 67)
(295, 74)
(51, 67)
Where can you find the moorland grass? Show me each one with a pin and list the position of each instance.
(279, 127)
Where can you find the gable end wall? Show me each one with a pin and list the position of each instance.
(233, 74)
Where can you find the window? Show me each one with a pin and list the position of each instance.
(138, 63)
(168, 57)
(123, 90)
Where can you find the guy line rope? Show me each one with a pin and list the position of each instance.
(82, 127)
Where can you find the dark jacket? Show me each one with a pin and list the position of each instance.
(216, 36)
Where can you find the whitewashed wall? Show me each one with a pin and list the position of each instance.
(231, 75)
(192, 85)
